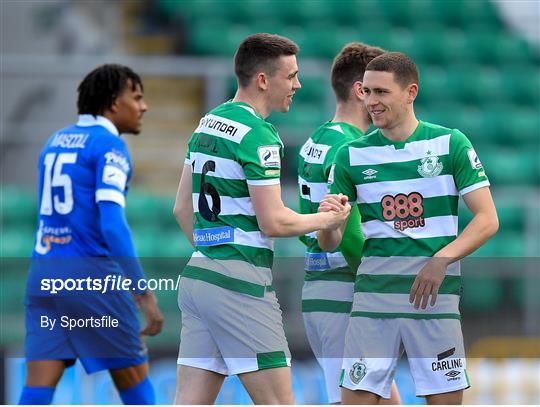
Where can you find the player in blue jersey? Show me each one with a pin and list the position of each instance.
(85, 282)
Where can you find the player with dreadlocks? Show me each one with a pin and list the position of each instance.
(83, 237)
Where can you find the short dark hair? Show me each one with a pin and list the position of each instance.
(100, 87)
(349, 67)
(260, 51)
(403, 67)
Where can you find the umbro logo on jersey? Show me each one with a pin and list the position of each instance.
(370, 173)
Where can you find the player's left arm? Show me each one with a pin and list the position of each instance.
(483, 225)
(183, 205)
(117, 235)
(471, 180)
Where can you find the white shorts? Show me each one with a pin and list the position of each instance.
(434, 350)
(228, 332)
(326, 334)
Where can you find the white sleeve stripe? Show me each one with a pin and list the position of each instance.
(272, 181)
(474, 187)
(187, 161)
(111, 195)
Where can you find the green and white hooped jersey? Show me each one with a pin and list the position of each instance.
(329, 279)
(233, 146)
(408, 196)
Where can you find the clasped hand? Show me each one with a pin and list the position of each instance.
(336, 205)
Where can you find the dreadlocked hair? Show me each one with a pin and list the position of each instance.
(101, 87)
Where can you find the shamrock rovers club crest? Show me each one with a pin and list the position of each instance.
(357, 372)
(430, 166)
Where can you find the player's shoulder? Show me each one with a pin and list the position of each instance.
(240, 121)
(433, 130)
(84, 138)
(240, 113)
(366, 140)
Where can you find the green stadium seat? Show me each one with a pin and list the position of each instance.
(304, 116)
(475, 85)
(268, 26)
(513, 48)
(313, 90)
(522, 83)
(469, 121)
(217, 37)
(481, 293)
(434, 88)
(19, 207)
(369, 32)
(299, 12)
(511, 166)
(12, 288)
(463, 83)
(520, 286)
(172, 243)
(465, 13)
(322, 41)
(495, 123)
(298, 35)
(146, 240)
(402, 40)
(443, 114)
(143, 209)
(203, 37)
(509, 244)
(526, 129)
(441, 46)
(496, 47)
(353, 12)
(409, 13)
(17, 241)
(241, 11)
(511, 217)
(195, 10)
(449, 12)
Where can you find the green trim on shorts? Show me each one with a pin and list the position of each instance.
(341, 377)
(404, 315)
(341, 307)
(271, 360)
(400, 284)
(467, 378)
(230, 283)
(340, 274)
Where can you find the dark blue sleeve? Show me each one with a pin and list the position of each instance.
(116, 232)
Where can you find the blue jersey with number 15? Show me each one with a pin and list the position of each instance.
(79, 166)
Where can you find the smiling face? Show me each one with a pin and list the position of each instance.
(282, 84)
(128, 108)
(388, 103)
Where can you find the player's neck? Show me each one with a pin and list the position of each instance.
(352, 114)
(255, 101)
(402, 131)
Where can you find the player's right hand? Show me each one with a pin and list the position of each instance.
(333, 202)
(336, 208)
(154, 318)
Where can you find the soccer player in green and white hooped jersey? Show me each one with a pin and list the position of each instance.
(407, 177)
(229, 204)
(329, 282)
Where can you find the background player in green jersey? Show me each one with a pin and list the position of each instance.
(409, 218)
(328, 289)
(229, 204)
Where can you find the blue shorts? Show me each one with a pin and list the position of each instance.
(100, 330)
